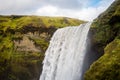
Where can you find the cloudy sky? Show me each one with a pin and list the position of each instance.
(81, 9)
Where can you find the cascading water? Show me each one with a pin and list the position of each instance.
(65, 54)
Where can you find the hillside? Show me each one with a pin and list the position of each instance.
(106, 41)
(23, 41)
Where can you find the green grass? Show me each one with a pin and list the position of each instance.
(41, 42)
(36, 21)
(26, 65)
(106, 38)
(108, 66)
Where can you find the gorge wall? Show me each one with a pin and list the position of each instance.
(23, 41)
(106, 41)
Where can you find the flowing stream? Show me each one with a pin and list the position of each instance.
(65, 54)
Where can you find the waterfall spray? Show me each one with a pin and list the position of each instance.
(65, 54)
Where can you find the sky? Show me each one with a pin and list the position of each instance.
(81, 9)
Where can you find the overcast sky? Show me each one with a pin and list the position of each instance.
(81, 9)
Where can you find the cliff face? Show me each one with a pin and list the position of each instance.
(23, 41)
(106, 41)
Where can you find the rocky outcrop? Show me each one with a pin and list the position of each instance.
(24, 40)
(25, 45)
(106, 39)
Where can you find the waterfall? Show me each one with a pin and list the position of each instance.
(65, 54)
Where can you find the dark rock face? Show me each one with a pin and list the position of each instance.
(106, 43)
(92, 53)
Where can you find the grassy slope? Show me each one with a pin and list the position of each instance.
(25, 65)
(17, 22)
(107, 38)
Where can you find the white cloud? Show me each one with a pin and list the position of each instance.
(83, 14)
(68, 8)
(47, 11)
(88, 13)
(66, 4)
(17, 6)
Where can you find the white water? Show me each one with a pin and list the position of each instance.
(65, 54)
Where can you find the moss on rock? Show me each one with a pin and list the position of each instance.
(108, 66)
(107, 39)
(17, 35)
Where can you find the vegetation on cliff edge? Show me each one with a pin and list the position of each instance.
(17, 60)
(106, 37)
